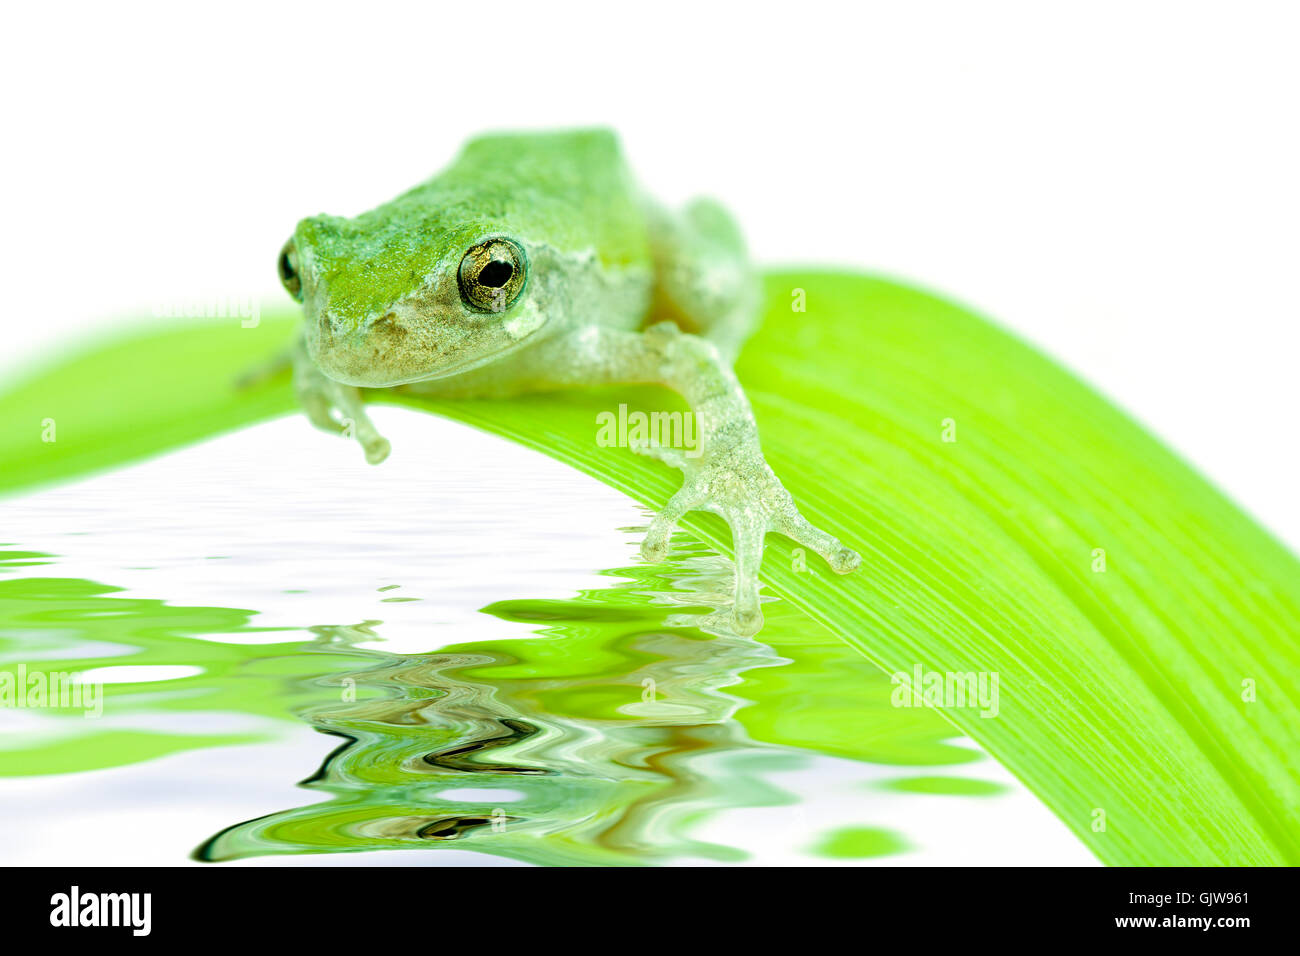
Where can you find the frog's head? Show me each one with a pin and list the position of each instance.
(403, 294)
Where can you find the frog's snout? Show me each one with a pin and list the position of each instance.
(326, 327)
(334, 332)
(371, 353)
(387, 325)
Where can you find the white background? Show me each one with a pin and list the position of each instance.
(1116, 181)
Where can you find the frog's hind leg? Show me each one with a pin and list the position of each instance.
(704, 281)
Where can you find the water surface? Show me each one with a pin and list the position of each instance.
(304, 659)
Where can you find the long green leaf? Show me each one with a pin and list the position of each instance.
(1145, 633)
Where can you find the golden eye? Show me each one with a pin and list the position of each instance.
(288, 269)
(493, 274)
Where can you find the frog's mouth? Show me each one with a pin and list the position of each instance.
(467, 364)
(386, 357)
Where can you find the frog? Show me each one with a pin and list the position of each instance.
(535, 262)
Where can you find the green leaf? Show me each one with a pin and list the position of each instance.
(1152, 687)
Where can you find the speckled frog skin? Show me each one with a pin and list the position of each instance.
(534, 263)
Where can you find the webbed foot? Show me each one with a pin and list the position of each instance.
(736, 483)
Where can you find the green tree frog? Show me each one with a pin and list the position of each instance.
(534, 263)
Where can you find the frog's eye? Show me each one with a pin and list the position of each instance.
(288, 269)
(492, 275)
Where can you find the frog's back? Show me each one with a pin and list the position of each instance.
(571, 188)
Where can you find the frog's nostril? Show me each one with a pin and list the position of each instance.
(388, 324)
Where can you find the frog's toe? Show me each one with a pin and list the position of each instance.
(654, 548)
(844, 561)
(748, 536)
(320, 411)
(377, 449)
(841, 559)
(747, 621)
(356, 424)
(669, 456)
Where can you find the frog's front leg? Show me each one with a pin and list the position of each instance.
(728, 475)
(335, 407)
